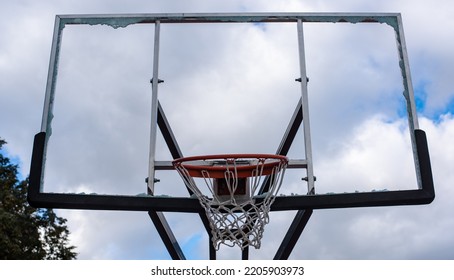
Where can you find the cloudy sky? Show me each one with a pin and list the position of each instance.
(231, 89)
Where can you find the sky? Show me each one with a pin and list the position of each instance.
(231, 89)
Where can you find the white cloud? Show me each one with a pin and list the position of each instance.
(377, 157)
(243, 80)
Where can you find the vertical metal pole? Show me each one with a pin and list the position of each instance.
(408, 94)
(212, 250)
(305, 99)
(48, 115)
(52, 78)
(405, 69)
(245, 253)
(154, 111)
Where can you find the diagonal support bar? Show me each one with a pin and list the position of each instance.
(287, 139)
(175, 151)
(166, 234)
(167, 133)
(292, 130)
(293, 234)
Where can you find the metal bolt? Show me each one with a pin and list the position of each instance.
(299, 80)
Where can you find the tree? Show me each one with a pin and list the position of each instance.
(27, 233)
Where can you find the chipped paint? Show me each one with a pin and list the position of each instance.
(124, 20)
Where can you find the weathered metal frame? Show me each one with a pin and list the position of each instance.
(422, 194)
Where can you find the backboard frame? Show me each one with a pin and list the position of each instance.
(423, 193)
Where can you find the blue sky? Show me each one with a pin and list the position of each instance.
(355, 106)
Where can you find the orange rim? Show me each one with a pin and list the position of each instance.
(241, 171)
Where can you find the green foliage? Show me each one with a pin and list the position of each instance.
(27, 233)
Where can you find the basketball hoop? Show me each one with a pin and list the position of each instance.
(237, 212)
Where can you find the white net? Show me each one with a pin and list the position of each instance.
(236, 192)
